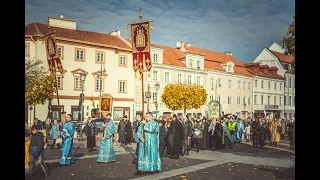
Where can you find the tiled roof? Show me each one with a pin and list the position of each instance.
(284, 58)
(171, 56)
(269, 73)
(87, 36)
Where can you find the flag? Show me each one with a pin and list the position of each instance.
(140, 35)
(54, 61)
(92, 99)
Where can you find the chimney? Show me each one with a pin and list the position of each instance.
(188, 44)
(228, 53)
(115, 33)
(180, 45)
(62, 22)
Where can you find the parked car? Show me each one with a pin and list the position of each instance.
(99, 122)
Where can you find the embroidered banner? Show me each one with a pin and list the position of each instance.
(140, 35)
(54, 61)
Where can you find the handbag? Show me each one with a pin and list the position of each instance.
(279, 130)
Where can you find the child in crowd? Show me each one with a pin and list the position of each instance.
(248, 132)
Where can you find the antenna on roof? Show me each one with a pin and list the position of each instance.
(61, 16)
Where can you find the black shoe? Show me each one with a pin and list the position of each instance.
(138, 173)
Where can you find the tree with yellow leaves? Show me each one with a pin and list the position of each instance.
(184, 97)
(39, 84)
(289, 43)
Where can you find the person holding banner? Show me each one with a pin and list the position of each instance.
(148, 156)
(67, 132)
(106, 151)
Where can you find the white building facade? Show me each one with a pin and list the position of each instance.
(84, 52)
(274, 57)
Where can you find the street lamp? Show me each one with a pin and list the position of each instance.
(148, 96)
(157, 87)
(100, 81)
(83, 79)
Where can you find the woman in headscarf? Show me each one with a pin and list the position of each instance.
(175, 137)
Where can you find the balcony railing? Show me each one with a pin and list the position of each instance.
(271, 106)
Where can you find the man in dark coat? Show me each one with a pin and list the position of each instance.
(206, 135)
(217, 135)
(122, 132)
(291, 132)
(135, 128)
(187, 133)
(260, 135)
(91, 132)
(129, 133)
(254, 133)
(162, 138)
(175, 136)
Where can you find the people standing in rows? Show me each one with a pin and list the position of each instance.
(291, 132)
(55, 133)
(162, 138)
(91, 131)
(67, 132)
(198, 128)
(254, 132)
(175, 136)
(122, 138)
(36, 152)
(148, 156)
(260, 135)
(187, 129)
(275, 129)
(106, 150)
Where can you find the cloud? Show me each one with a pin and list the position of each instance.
(243, 27)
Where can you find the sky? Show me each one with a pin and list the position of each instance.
(243, 27)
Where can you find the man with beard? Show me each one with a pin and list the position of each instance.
(122, 132)
(129, 133)
(91, 132)
(175, 136)
(254, 133)
(198, 132)
(186, 143)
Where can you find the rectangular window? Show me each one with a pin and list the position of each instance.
(190, 63)
(256, 83)
(100, 57)
(198, 64)
(274, 100)
(211, 98)
(55, 111)
(285, 83)
(268, 100)
(290, 115)
(155, 97)
(239, 84)
(244, 85)
(229, 83)
(238, 100)
(155, 75)
(290, 100)
(262, 99)
(167, 77)
(280, 101)
(269, 85)
(294, 100)
(179, 78)
(280, 86)
(289, 82)
(261, 84)
(275, 85)
(219, 99)
(123, 61)
(75, 110)
(244, 100)
(60, 50)
(249, 85)
(59, 82)
(229, 99)
(80, 54)
(78, 83)
(122, 87)
(198, 80)
(285, 100)
(27, 49)
(255, 99)
(155, 58)
(189, 79)
(249, 100)
(98, 85)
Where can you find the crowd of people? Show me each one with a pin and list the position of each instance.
(166, 137)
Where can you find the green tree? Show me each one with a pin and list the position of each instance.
(288, 43)
(39, 84)
(184, 97)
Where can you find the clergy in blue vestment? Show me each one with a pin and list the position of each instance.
(240, 129)
(68, 129)
(150, 161)
(106, 151)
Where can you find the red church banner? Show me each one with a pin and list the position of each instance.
(54, 61)
(140, 36)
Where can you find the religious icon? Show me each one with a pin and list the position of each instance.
(106, 103)
(214, 109)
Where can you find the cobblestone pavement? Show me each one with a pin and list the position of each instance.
(248, 163)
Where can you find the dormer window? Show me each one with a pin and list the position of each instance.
(229, 67)
(198, 64)
(190, 63)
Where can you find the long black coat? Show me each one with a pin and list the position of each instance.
(129, 131)
(206, 137)
(187, 129)
(91, 132)
(291, 132)
(261, 133)
(122, 132)
(175, 136)
(217, 136)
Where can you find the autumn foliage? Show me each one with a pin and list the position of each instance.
(184, 97)
(39, 84)
(289, 42)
